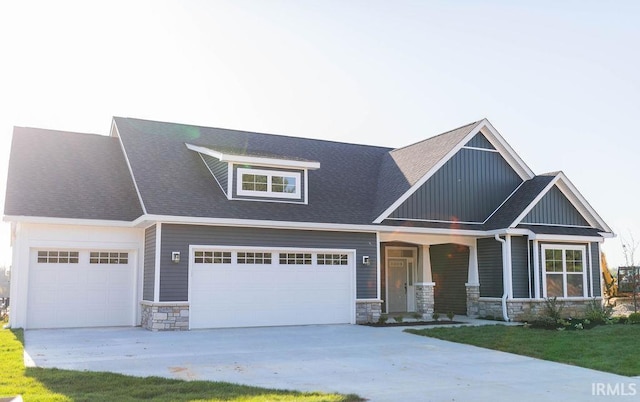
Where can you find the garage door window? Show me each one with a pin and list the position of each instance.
(333, 259)
(212, 257)
(295, 258)
(58, 257)
(253, 258)
(102, 257)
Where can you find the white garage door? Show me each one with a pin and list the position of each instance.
(245, 288)
(80, 288)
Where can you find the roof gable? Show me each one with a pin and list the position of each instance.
(564, 204)
(429, 156)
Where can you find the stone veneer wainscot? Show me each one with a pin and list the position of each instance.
(165, 316)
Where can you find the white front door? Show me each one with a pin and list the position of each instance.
(397, 285)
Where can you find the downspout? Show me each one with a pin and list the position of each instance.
(505, 293)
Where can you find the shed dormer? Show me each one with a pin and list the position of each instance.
(258, 177)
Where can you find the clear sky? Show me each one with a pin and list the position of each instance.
(560, 80)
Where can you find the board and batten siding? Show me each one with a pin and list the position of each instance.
(174, 277)
(555, 209)
(597, 270)
(450, 268)
(149, 269)
(220, 171)
(467, 188)
(490, 267)
(520, 267)
(479, 141)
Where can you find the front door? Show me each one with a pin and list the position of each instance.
(397, 284)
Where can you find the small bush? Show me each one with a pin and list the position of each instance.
(450, 315)
(382, 319)
(552, 309)
(634, 318)
(597, 312)
(417, 316)
(435, 316)
(398, 318)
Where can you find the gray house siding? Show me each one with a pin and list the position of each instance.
(219, 170)
(302, 183)
(554, 208)
(520, 267)
(149, 270)
(449, 268)
(468, 188)
(479, 141)
(174, 277)
(490, 267)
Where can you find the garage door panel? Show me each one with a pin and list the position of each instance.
(240, 295)
(81, 294)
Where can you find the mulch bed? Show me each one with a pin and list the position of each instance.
(409, 323)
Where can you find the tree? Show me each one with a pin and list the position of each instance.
(629, 247)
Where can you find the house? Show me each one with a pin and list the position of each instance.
(173, 226)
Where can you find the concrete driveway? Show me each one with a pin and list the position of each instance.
(381, 364)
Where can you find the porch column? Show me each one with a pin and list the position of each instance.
(536, 269)
(473, 284)
(424, 290)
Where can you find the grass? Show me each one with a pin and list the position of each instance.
(610, 348)
(40, 384)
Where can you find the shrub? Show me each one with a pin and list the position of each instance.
(417, 316)
(552, 309)
(398, 318)
(634, 318)
(450, 315)
(597, 312)
(382, 319)
(435, 316)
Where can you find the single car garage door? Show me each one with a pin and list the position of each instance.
(80, 288)
(260, 287)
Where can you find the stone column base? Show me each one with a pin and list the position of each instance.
(368, 311)
(473, 297)
(425, 303)
(165, 316)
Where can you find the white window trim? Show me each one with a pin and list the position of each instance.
(565, 247)
(270, 174)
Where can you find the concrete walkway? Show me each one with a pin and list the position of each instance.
(381, 364)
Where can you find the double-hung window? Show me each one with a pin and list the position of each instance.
(269, 183)
(565, 270)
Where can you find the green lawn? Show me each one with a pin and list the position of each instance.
(610, 348)
(38, 384)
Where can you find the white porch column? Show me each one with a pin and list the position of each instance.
(426, 264)
(473, 277)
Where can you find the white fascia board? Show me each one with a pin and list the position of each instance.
(506, 151)
(66, 221)
(493, 137)
(581, 203)
(116, 133)
(254, 160)
(566, 239)
(533, 203)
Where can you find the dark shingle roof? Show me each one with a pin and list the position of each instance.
(172, 179)
(69, 175)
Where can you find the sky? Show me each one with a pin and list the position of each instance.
(559, 80)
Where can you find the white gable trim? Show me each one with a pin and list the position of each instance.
(116, 133)
(575, 198)
(493, 137)
(254, 160)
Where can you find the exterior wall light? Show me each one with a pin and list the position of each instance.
(175, 256)
(365, 260)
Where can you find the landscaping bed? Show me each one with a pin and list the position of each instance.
(409, 323)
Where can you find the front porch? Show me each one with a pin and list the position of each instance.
(428, 273)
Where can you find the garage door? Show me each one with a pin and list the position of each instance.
(80, 288)
(244, 288)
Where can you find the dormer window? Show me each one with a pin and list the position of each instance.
(257, 176)
(268, 183)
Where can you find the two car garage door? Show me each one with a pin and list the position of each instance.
(242, 288)
(80, 288)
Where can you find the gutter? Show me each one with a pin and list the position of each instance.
(505, 293)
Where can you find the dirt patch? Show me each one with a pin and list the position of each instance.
(623, 305)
